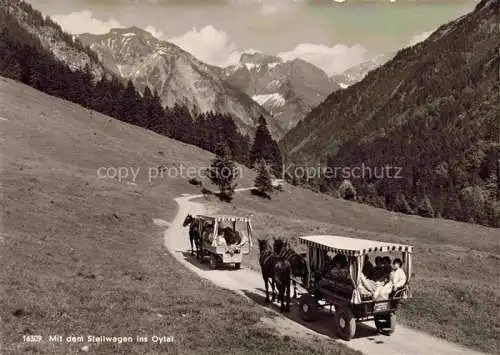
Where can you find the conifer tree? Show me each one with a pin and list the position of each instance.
(130, 99)
(262, 182)
(264, 147)
(223, 172)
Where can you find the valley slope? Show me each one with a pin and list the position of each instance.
(432, 112)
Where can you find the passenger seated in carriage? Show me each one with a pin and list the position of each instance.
(221, 240)
(207, 229)
(378, 271)
(398, 276)
(386, 262)
(367, 267)
(336, 268)
(383, 288)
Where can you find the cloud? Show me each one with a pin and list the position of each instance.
(419, 38)
(155, 32)
(214, 46)
(269, 9)
(333, 60)
(209, 45)
(83, 21)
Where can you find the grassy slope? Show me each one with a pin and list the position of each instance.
(456, 264)
(81, 255)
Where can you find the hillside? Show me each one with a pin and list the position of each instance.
(83, 254)
(357, 73)
(63, 46)
(27, 58)
(288, 90)
(432, 113)
(177, 76)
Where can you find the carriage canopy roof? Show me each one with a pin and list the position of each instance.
(352, 246)
(220, 217)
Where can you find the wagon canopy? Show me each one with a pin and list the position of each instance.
(352, 246)
(242, 225)
(222, 217)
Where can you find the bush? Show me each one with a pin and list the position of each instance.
(493, 211)
(347, 190)
(425, 208)
(473, 199)
(195, 182)
(402, 205)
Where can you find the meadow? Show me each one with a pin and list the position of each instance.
(455, 283)
(83, 250)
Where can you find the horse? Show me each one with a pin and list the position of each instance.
(194, 233)
(282, 275)
(277, 270)
(298, 266)
(266, 261)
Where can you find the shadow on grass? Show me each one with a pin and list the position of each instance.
(203, 264)
(325, 324)
(261, 194)
(223, 197)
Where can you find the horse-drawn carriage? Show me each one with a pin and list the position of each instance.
(349, 297)
(224, 239)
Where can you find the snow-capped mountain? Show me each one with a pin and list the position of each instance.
(358, 72)
(288, 90)
(179, 77)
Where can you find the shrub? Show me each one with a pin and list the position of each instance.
(425, 208)
(196, 182)
(402, 205)
(347, 190)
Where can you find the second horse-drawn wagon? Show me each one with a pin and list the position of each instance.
(344, 285)
(225, 239)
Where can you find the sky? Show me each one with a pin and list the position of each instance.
(334, 34)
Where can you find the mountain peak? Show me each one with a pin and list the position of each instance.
(134, 30)
(259, 59)
(488, 3)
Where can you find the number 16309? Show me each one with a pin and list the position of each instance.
(32, 338)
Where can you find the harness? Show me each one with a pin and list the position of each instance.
(288, 253)
(266, 256)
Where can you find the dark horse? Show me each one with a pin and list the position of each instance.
(278, 270)
(298, 266)
(194, 233)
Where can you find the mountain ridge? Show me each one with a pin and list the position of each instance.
(178, 76)
(287, 89)
(431, 110)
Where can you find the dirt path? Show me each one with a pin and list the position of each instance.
(249, 283)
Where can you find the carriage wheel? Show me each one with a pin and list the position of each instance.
(386, 324)
(214, 262)
(237, 266)
(308, 308)
(345, 322)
